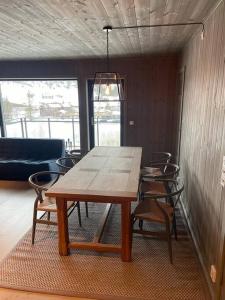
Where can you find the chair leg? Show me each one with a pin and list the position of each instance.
(34, 225)
(49, 215)
(86, 209)
(133, 219)
(78, 211)
(169, 242)
(141, 224)
(175, 227)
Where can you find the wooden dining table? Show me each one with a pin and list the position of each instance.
(105, 175)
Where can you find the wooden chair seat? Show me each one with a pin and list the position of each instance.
(153, 187)
(149, 210)
(49, 204)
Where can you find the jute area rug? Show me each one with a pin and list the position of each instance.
(89, 274)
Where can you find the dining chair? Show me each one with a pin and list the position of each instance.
(75, 154)
(150, 179)
(41, 182)
(161, 157)
(154, 210)
(65, 164)
(157, 158)
(159, 170)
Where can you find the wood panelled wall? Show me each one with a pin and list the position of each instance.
(203, 139)
(151, 99)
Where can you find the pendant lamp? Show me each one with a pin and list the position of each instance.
(107, 85)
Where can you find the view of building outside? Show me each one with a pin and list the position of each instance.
(50, 109)
(41, 109)
(107, 114)
(107, 123)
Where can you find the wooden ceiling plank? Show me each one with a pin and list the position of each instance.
(142, 9)
(143, 18)
(73, 28)
(116, 37)
(127, 10)
(24, 33)
(78, 29)
(49, 38)
(173, 14)
(189, 11)
(124, 37)
(157, 8)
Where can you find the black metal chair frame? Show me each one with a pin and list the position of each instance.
(61, 162)
(166, 157)
(169, 199)
(41, 186)
(163, 167)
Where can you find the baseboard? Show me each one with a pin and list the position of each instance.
(205, 271)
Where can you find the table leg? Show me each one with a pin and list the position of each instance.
(126, 231)
(62, 226)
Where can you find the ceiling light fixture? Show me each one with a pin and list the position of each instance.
(107, 85)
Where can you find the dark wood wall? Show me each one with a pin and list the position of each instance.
(151, 98)
(203, 139)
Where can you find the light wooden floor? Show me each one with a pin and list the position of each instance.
(16, 208)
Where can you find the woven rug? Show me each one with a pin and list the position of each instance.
(89, 274)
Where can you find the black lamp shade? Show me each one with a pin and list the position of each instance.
(107, 86)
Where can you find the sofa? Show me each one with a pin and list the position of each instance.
(21, 157)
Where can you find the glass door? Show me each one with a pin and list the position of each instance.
(105, 116)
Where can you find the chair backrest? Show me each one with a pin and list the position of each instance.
(75, 152)
(75, 155)
(65, 163)
(167, 171)
(160, 157)
(42, 181)
(173, 195)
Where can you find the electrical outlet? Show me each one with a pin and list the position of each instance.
(223, 173)
(213, 273)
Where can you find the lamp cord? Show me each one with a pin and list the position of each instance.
(107, 56)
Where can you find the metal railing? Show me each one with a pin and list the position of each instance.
(24, 126)
(97, 130)
(71, 137)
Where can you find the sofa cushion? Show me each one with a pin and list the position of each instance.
(36, 149)
(22, 169)
(19, 158)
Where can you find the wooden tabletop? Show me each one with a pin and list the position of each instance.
(106, 174)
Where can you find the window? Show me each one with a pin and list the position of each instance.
(105, 115)
(41, 109)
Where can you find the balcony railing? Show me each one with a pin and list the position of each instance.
(68, 129)
(107, 131)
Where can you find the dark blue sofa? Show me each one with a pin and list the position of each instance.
(19, 158)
